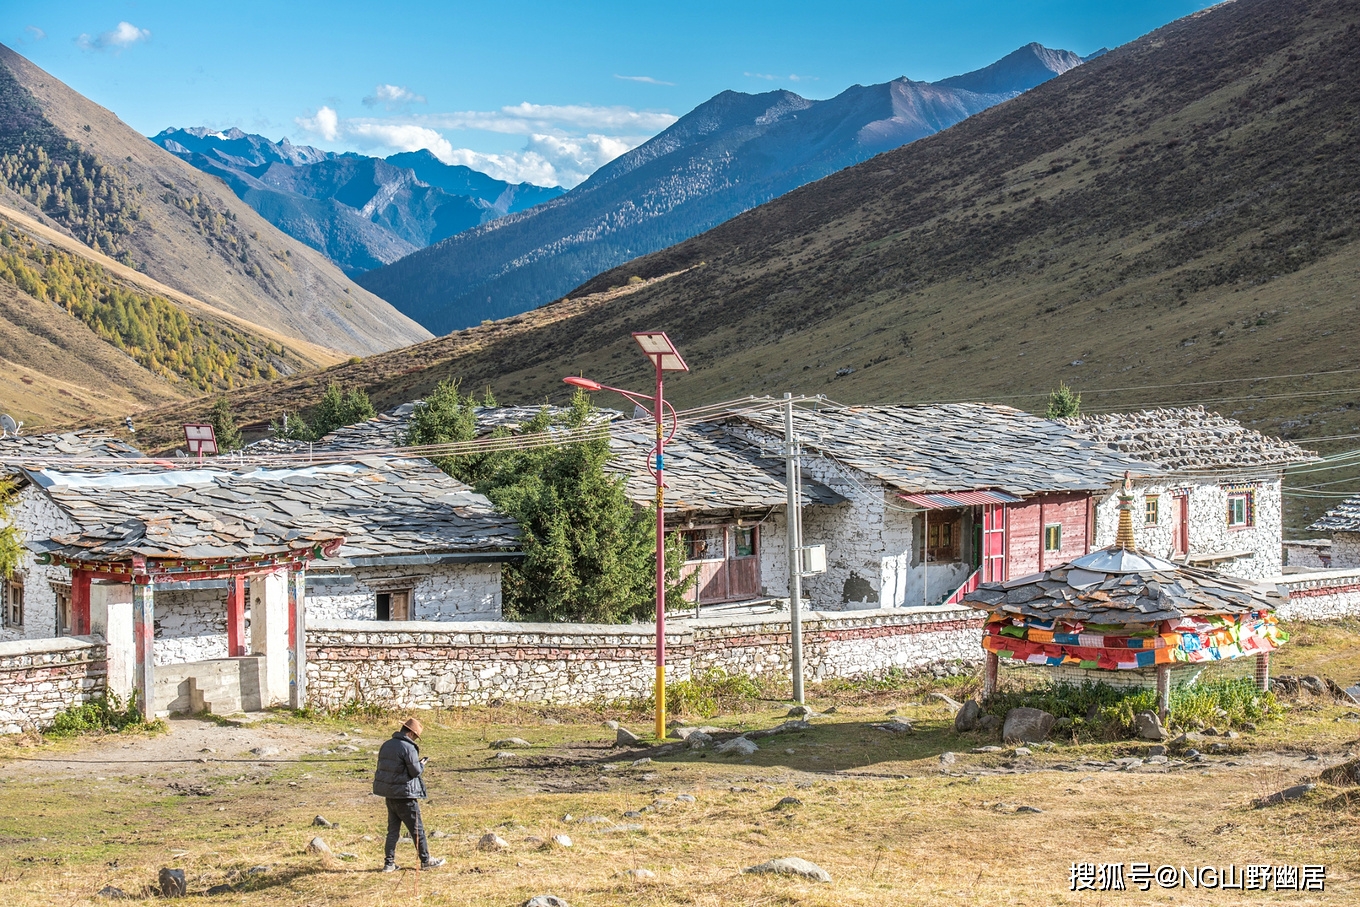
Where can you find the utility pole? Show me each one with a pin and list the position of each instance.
(793, 486)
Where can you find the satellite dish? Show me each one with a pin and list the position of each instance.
(11, 428)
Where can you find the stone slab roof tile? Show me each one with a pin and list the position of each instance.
(381, 507)
(1345, 517)
(958, 447)
(1188, 439)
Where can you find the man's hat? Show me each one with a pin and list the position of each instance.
(413, 725)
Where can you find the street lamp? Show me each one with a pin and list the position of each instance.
(658, 348)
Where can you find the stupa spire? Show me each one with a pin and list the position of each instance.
(1124, 537)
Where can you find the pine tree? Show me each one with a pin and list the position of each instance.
(224, 426)
(1063, 403)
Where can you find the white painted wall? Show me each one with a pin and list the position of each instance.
(1345, 549)
(441, 592)
(1209, 532)
(37, 517)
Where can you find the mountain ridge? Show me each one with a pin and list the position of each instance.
(731, 153)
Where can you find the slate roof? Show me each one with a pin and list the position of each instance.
(1118, 586)
(33, 449)
(1188, 439)
(1345, 517)
(958, 447)
(389, 429)
(383, 507)
(708, 469)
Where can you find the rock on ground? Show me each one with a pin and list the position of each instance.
(172, 883)
(637, 875)
(319, 847)
(545, 900)
(625, 737)
(1149, 726)
(1284, 796)
(954, 704)
(560, 841)
(737, 746)
(510, 743)
(1026, 725)
(966, 718)
(492, 842)
(792, 866)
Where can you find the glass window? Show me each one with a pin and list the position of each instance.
(1150, 510)
(1053, 537)
(744, 541)
(705, 544)
(941, 541)
(1241, 510)
(14, 603)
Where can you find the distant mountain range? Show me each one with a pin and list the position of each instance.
(361, 212)
(730, 154)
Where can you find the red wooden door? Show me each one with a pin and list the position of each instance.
(743, 563)
(993, 543)
(1180, 525)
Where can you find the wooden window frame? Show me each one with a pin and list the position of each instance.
(1152, 510)
(690, 534)
(1248, 501)
(398, 604)
(15, 601)
(1054, 530)
(62, 594)
(941, 541)
(736, 546)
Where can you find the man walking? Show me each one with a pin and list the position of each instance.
(398, 778)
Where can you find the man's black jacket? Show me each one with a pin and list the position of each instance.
(399, 768)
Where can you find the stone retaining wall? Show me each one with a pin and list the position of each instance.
(437, 665)
(41, 677)
(1323, 595)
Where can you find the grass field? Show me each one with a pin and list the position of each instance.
(879, 811)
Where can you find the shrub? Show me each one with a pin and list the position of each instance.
(709, 692)
(102, 716)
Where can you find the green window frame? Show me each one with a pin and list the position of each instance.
(1053, 537)
(1151, 510)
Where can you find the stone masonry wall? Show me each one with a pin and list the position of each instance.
(434, 665)
(1209, 531)
(37, 517)
(1323, 595)
(1346, 549)
(191, 625)
(39, 678)
(443, 592)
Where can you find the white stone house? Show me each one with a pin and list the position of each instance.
(36, 600)
(938, 498)
(1217, 501)
(727, 501)
(1342, 523)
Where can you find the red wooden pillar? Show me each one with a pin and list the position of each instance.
(989, 677)
(236, 616)
(1263, 671)
(80, 603)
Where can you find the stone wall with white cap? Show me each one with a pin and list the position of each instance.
(429, 664)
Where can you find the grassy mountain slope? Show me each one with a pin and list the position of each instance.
(1168, 223)
(122, 195)
(729, 154)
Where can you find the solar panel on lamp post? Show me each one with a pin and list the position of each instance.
(666, 358)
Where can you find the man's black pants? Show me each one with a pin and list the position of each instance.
(405, 812)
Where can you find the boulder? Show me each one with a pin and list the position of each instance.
(801, 711)
(989, 723)
(1284, 796)
(1026, 725)
(318, 847)
(172, 883)
(625, 737)
(966, 718)
(321, 822)
(698, 740)
(492, 842)
(1149, 726)
(947, 758)
(737, 746)
(792, 866)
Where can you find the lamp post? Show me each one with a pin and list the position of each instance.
(657, 347)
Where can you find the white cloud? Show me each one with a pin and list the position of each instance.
(564, 144)
(125, 35)
(792, 77)
(647, 79)
(393, 97)
(34, 33)
(326, 123)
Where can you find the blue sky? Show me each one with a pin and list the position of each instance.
(537, 91)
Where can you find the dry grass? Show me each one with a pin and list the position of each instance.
(878, 812)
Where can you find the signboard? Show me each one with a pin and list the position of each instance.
(201, 439)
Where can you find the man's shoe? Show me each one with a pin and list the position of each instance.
(389, 867)
(433, 864)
